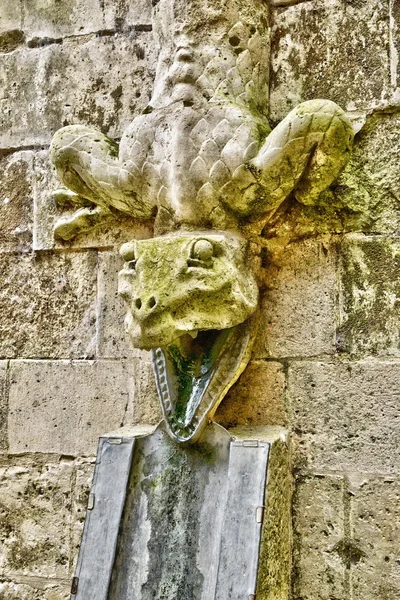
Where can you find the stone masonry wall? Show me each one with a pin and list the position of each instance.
(326, 363)
(333, 310)
(67, 374)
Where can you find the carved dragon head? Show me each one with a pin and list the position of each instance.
(190, 296)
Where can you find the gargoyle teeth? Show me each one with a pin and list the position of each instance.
(192, 373)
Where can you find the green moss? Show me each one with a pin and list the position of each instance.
(183, 369)
(193, 366)
(275, 551)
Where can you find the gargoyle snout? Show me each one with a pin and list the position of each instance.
(143, 307)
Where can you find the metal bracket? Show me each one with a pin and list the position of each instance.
(91, 499)
(260, 514)
(74, 585)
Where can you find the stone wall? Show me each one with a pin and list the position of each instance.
(67, 373)
(326, 361)
(333, 313)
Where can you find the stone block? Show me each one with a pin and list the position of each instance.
(100, 81)
(46, 19)
(48, 305)
(319, 528)
(258, 397)
(315, 56)
(46, 591)
(47, 212)
(375, 571)
(369, 310)
(36, 520)
(16, 202)
(125, 13)
(63, 407)
(297, 309)
(345, 415)
(3, 404)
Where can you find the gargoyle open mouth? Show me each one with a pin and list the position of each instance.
(194, 373)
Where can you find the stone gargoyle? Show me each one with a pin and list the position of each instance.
(203, 163)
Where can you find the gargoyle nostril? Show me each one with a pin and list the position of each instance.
(138, 303)
(152, 302)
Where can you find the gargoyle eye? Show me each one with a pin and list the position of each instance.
(202, 250)
(127, 252)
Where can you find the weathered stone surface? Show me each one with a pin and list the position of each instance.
(366, 195)
(16, 202)
(10, 16)
(376, 531)
(36, 520)
(46, 212)
(45, 209)
(369, 311)
(44, 19)
(109, 81)
(47, 305)
(297, 309)
(275, 554)
(345, 414)
(184, 283)
(46, 591)
(123, 14)
(318, 530)
(395, 45)
(11, 40)
(83, 482)
(146, 405)
(258, 397)
(63, 407)
(373, 179)
(313, 55)
(3, 404)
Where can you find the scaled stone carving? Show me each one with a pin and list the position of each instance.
(203, 163)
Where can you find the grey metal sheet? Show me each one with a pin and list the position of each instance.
(100, 534)
(171, 528)
(172, 522)
(241, 532)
